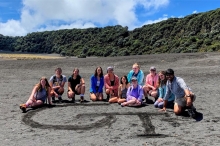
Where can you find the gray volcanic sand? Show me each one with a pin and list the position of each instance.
(100, 123)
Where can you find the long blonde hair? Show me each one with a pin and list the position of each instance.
(39, 86)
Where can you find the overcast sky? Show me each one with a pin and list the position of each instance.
(19, 17)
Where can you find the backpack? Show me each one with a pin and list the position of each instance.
(55, 79)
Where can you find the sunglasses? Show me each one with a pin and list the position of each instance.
(169, 75)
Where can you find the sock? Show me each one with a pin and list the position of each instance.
(81, 95)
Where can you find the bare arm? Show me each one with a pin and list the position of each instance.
(187, 92)
(69, 87)
(53, 87)
(62, 84)
(82, 81)
(49, 97)
(119, 91)
(188, 96)
(32, 93)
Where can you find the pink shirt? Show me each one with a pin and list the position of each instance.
(153, 81)
(107, 83)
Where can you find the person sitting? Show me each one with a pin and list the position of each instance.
(122, 89)
(97, 83)
(134, 94)
(38, 96)
(76, 86)
(162, 90)
(57, 83)
(184, 97)
(111, 82)
(151, 85)
(137, 73)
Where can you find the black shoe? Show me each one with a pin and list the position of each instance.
(73, 100)
(146, 100)
(82, 99)
(60, 99)
(53, 99)
(192, 113)
(107, 98)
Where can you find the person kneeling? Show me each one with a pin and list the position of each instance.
(134, 94)
(184, 97)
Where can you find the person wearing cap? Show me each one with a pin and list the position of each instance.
(137, 73)
(152, 84)
(57, 83)
(111, 82)
(134, 94)
(183, 94)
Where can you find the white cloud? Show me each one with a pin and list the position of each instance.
(155, 21)
(41, 15)
(194, 12)
(12, 28)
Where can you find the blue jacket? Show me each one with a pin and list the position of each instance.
(140, 77)
(162, 91)
(93, 81)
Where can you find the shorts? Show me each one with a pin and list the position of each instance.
(74, 92)
(182, 101)
(123, 97)
(43, 100)
(97, 89)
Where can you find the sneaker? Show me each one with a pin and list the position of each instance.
(23, 107)
(81, 99)
(192, 112)
(60, 98)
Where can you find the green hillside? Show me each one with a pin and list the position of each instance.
(193, 33)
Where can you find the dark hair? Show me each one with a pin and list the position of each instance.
(96, 74)
(125, 79)
(58, 68)
(75, 70)
(162, 82)
(169, 71)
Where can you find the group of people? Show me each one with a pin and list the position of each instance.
(166, 89)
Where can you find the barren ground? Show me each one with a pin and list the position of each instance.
(100, 123)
